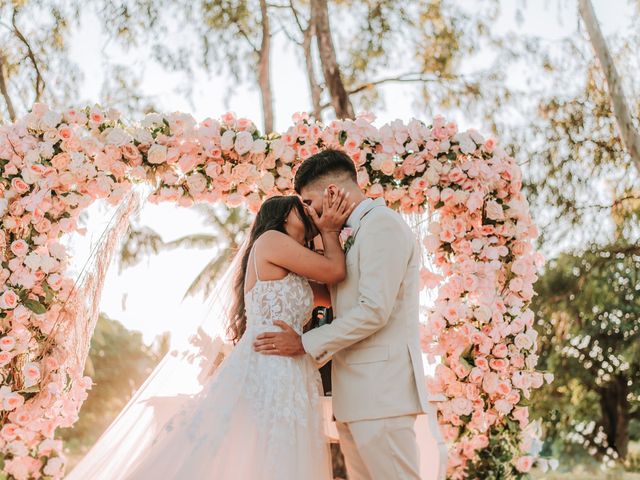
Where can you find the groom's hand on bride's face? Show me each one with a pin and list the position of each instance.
(286, 343)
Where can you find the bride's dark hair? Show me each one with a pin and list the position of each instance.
(272, 216)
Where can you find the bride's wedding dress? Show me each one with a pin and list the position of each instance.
(259, 417)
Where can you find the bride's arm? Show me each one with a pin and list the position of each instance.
(282, 250)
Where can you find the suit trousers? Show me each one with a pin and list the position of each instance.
(380, 449)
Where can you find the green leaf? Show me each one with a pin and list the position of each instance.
(35, 306)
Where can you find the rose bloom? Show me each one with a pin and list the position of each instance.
(157, 154)
(61, 161)
(523, 464)
(19, 248)
(8, 299)
(5, 358)
(7, 343)
(500, 350)
(19, 186)
(499, 364)
(12, 401)
(31, 371)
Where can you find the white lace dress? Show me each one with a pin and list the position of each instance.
(260, 417)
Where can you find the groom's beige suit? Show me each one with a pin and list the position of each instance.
(378, 383)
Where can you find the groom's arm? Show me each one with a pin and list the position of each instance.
(384, 254)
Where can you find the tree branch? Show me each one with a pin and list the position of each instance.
(628, 132)
(407, 77)
(4, 91)
(40, 84)
(330, 67)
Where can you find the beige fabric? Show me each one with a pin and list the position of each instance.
(382, 449)
(374, 339)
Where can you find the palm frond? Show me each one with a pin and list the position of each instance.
(205, 280)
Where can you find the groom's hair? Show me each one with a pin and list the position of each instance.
(328, 163)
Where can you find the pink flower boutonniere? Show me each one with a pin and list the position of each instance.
(346, 238)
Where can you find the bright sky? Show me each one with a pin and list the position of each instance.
(147, 297)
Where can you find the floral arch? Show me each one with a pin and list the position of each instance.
(55, 164)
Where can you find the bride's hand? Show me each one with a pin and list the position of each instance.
(335, 212)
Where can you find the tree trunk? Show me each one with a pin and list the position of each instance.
(4, 91)
(628, 133)
(264, 74)
(339, 97)
(615, 415)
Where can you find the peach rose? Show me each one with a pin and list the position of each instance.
(8, 299)
(19, 186)
(524, 464)
(19, 248)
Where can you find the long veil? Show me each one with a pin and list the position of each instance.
(195, 353)
(197, 349)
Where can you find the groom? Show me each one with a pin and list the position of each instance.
(377, 375)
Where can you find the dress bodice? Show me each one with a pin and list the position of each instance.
(289, 299)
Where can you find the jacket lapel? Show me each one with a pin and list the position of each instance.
(378, 202)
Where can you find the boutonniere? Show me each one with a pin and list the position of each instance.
(347, 238)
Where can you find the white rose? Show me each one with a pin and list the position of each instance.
(32, 261)
(46, 150)
(285, 171)
(376, 163)
(417, 130)
(142, 135)
(465, 141)
(226, 141)
(157, 154)
(50, 119)
(476, 137)
(117, 136)
(289, 155)
(54, 467)
(277, 147)
(197, 183)
(494, 210)
(243, 143)
(259, 146)
(523, 342)
(57, 250)
(151, 120)
(267, 182)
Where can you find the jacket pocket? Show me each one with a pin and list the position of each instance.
(375, 353)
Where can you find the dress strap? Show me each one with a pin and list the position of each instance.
(255, 263)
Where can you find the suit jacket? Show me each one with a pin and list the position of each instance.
(374, 338)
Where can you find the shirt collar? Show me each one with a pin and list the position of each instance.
(357, 213)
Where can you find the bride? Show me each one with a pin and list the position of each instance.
(260, 416)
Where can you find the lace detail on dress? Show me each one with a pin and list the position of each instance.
(265, 406)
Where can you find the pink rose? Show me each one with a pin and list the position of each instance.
(499, 364)
(7, 343)
(11, 401)
(490, 382)
(523, 464)
(61, 161)
(31, 372)
(375, 190)
(8, 299)
(19, 248)
(5, 358)
(503, 406)
(19, 185)
(157, 154)
(500, 350)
